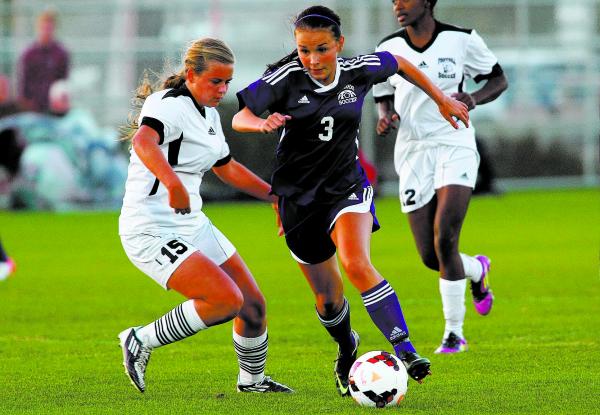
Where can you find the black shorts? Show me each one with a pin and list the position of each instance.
(307, 228)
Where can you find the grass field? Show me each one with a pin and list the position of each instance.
(537, 352)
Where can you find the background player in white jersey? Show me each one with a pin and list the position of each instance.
(437, 165)
(166, 235)
(326, 203)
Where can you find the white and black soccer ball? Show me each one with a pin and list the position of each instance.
(378, 379)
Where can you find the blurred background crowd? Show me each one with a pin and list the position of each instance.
(68, 71)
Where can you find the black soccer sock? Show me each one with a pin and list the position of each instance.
(3, 256)
(338, 326)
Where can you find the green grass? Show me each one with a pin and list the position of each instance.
(537, 352)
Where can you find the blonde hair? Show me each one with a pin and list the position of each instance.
(197, 56)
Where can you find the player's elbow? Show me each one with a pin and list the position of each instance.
(502, 83)
(235, 122)
(239, 123)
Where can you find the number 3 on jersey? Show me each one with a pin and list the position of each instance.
(328, 121)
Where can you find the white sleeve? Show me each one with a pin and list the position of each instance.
(168, 112)
(479, 60)
(383, 89)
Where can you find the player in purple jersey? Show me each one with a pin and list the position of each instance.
(326, 203)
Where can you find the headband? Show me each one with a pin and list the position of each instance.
(317, 15)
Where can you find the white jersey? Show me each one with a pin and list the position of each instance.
(453, 55)
(192, 140)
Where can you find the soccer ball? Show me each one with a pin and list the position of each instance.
(378, 379)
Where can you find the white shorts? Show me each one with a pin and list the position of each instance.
(424, 169)
(159, 255)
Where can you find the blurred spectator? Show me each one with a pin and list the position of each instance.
(59, 98)
(69, 162)
(7, 105)
(11, 144)
(369, 168)
(42, 63)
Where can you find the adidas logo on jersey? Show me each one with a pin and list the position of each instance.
(423, 65)
(303, 100)
(465, 176)
(396, 334)
(353, 197)
(211, 131)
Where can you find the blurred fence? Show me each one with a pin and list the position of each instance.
(545, 125)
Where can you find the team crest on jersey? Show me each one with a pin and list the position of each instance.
(347, 95)
(447, 68)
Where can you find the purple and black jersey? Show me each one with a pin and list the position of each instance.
(317, 151)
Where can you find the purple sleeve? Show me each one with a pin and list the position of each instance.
(259, 96)
(388, 67)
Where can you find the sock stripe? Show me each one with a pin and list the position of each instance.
(337, 319)
(381, 293)
(185, 327)
(250, 350)
(255, 359)
(253, 370)
(159, 332)
(172, 327)
(252, 360)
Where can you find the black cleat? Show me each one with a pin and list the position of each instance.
(135, 357)
(417, 367)
(343, 363)
(266, 385)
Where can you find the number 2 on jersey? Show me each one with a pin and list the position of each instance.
(328, 121)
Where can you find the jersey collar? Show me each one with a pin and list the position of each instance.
(325, 88)
(439, 27)
(183, 90)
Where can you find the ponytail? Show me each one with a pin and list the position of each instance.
(271, 67)
(174, 81)
(143, 91)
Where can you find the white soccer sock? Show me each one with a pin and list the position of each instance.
(181, 322)
(252, 357)
(472, 266)
(4, 270)
(453, 302)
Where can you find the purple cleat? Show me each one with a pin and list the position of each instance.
(482, 294)
(452, 344)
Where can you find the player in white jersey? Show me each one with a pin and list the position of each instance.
(438, 165)
(175, 140)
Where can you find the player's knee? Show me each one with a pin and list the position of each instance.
(356, 269)
(431, 261)
(328, 306)
(231, 302)
(446, 243)
(254, 310)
